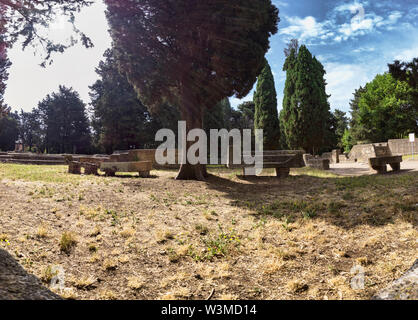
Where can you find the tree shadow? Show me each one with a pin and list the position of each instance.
(296, 197)
(17, 284)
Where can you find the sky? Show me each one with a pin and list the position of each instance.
(353, 39)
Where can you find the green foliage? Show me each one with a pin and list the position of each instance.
(120, 120)
(186, 52)
(218, 116)
(347, 141)
(266, 115)
(246, 111)
(387, 109)
(20, 20)
(66, 126)
(9, 131)
(305, 105)
(336, 125)
(190, 53)
(30, 130)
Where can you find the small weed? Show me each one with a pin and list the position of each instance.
(67, 242)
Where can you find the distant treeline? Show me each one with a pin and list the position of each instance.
(117, 120)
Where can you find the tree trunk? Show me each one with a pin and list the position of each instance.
(193, 116)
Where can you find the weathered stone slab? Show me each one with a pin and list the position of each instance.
(405, 288)
(281, 160)
(316, 163)
(143, 167)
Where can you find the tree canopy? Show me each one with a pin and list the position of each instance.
(65, 122)
(23, 19)
(387, 109)
(120, 120)
(191, 53)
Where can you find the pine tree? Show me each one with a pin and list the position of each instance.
(191, 53)
(305, 105)
(266, 115)
(9, 131)
(120, 120)
(65, 121)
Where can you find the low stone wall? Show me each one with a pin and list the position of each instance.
(403, 146)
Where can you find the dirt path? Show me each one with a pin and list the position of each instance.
(355, 169)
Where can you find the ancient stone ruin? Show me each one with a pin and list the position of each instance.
(129, 161)
(281, 161)
(316, 162)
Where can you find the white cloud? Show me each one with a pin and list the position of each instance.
(407, 54)
(280, 4)
(363, 22)
(305, 28)
(344, 79)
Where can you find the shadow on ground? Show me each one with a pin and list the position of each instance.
(344, 201)
(17, 284)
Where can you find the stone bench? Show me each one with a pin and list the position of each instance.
(142, 167)
(379, 164)
(281, 161)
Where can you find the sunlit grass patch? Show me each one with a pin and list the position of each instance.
(314, 173)
(54, 174)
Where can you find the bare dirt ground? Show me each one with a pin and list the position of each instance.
(259, 238)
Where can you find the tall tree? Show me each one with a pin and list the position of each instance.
(191, 53)
(217, 117)
(341, 125)
(4, 62)
(408, 72)
(336, 126)
(9, 131)
(246, 111)
(30, 130)
(65, 121)
(387, 109)
(120, 120)
(292, 45)
(405, 71)
(266, 116)
(305, 104)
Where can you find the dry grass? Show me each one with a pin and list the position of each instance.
(261, 238)
(67, 241)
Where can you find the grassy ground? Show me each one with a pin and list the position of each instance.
(258, 238)
(410, 157)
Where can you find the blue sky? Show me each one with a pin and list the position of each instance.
(354, 40)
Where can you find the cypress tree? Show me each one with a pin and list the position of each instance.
(289, 116)
(305, 105)
(266, 116)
